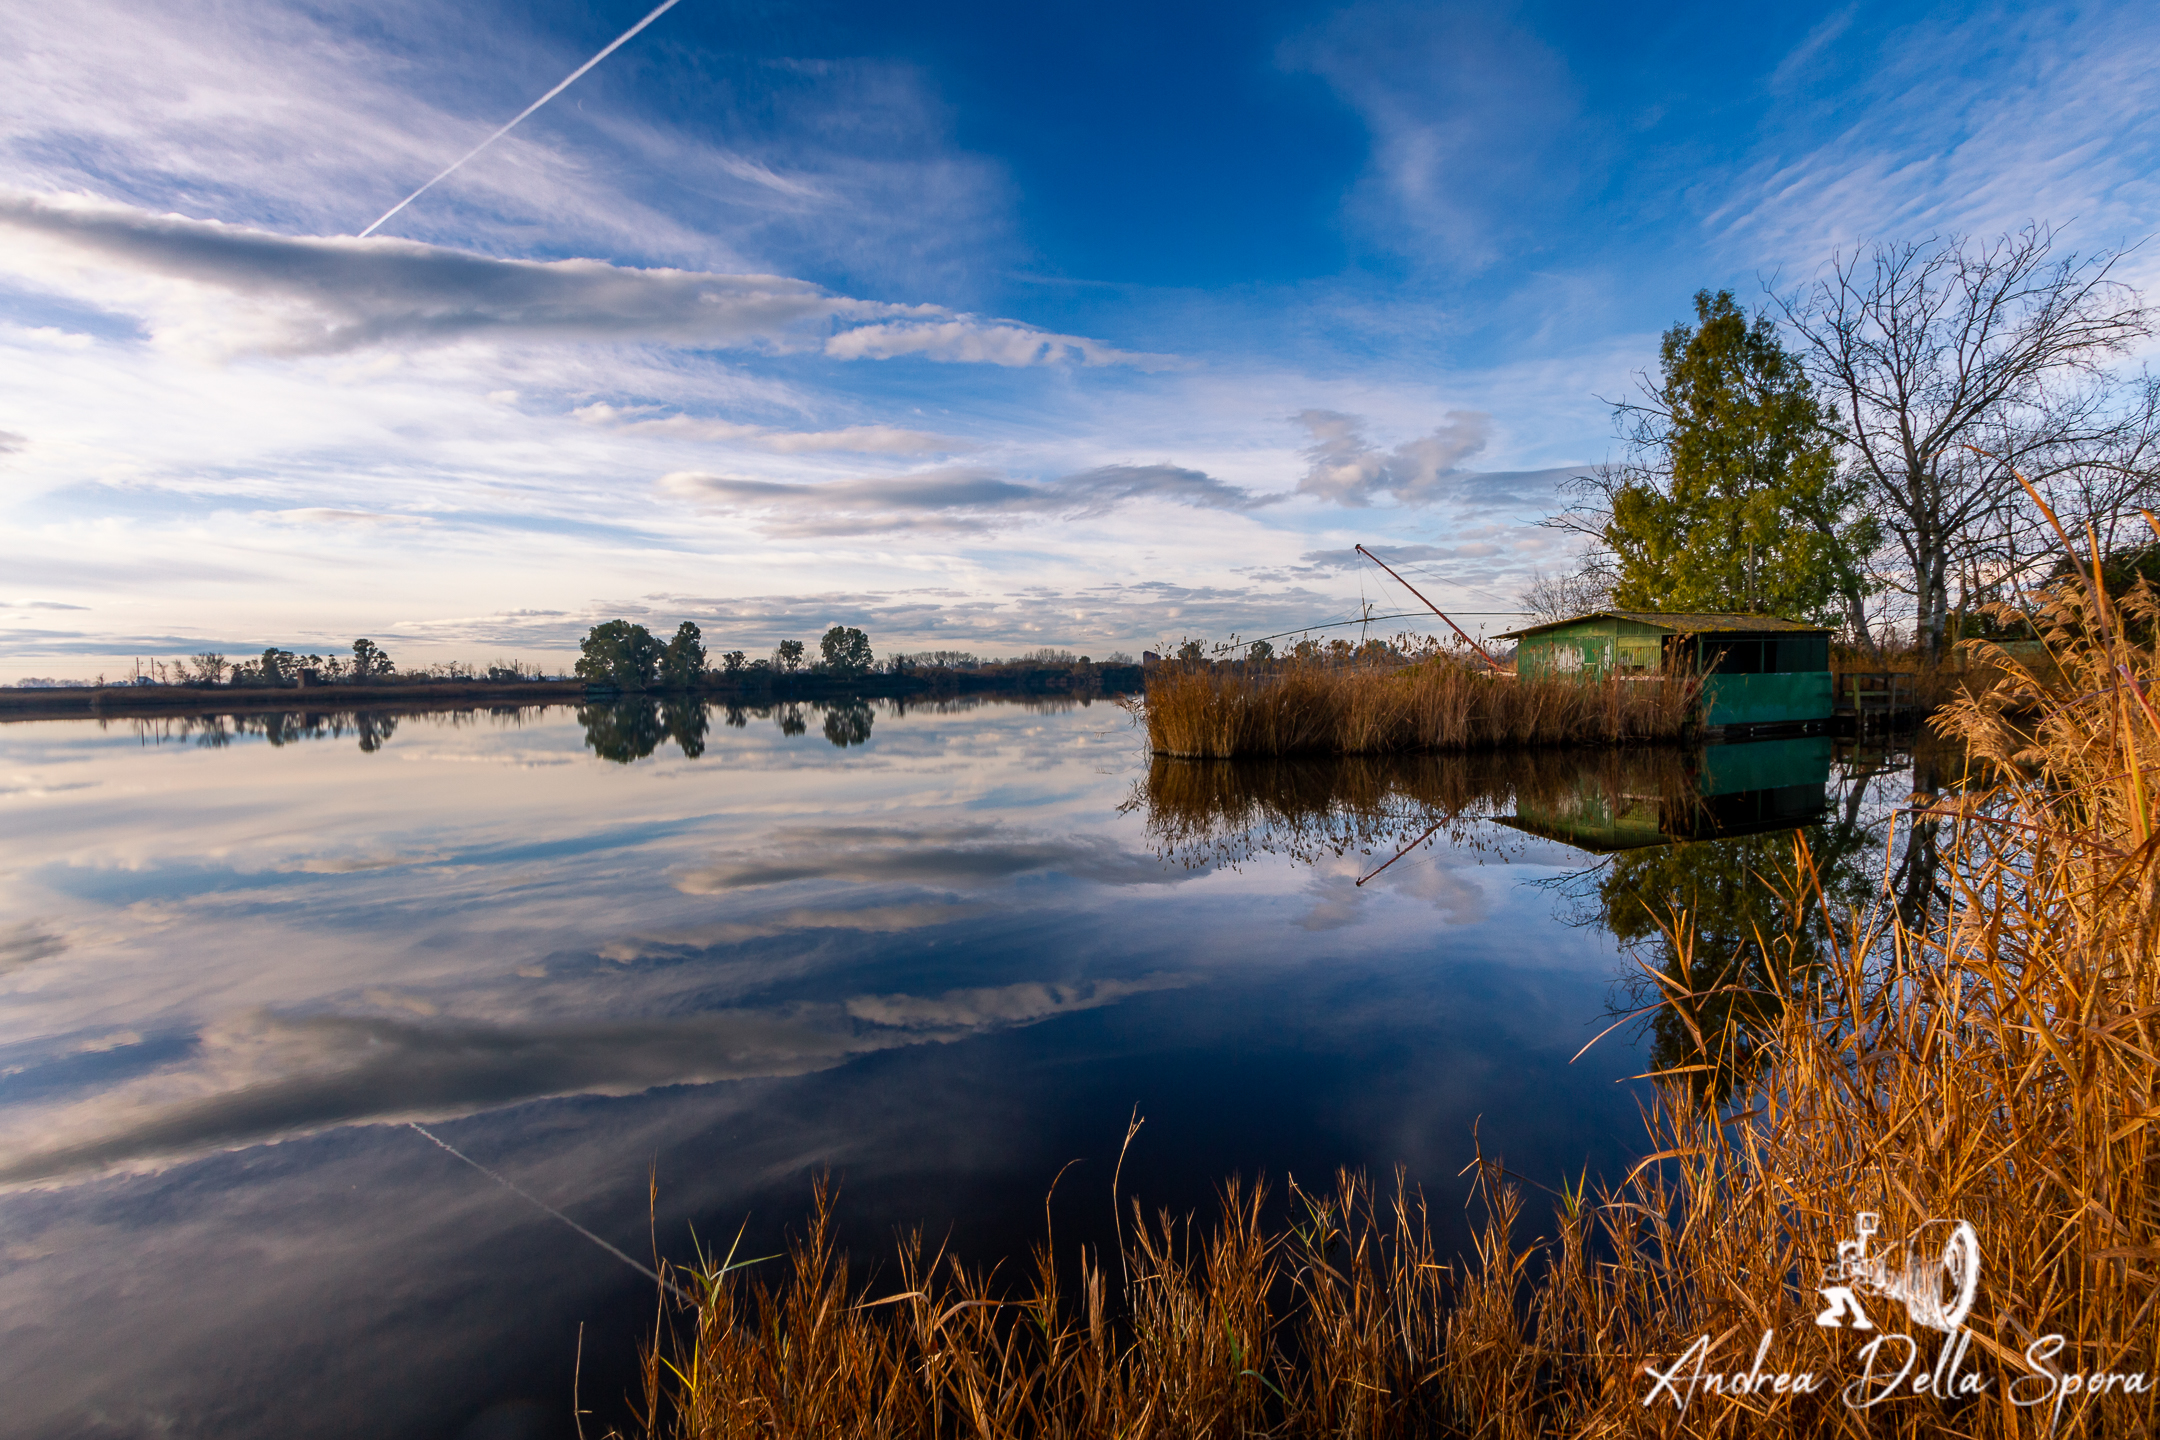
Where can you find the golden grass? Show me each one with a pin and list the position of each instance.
(1314, 707)
(1989, 1057)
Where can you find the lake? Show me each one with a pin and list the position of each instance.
(661, 970)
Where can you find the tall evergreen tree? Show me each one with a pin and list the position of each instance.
(1734, 501)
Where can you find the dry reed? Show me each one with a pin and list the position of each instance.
(1988, 1058)
(1314, 707)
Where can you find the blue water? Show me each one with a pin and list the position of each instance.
(938, 964)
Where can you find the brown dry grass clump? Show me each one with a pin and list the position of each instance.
(1314, 707)
(1990, 1058)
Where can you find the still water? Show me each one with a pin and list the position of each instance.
(710, 957)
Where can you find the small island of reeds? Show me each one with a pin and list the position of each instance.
(1436, 700)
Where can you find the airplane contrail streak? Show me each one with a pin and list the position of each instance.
(662, 9)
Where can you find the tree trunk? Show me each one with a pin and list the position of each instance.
(1856, 617)
(1932, 592)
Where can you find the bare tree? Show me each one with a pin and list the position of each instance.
(1945, 363)
(2104, 482)
(1588, 517)
(1566, 595)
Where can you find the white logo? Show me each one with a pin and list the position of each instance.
(1935, 1275)
(1937, 1287)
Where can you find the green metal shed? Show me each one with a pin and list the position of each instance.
(1763, 674)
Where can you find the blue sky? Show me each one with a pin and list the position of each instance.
(982, 327)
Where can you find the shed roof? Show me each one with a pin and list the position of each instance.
(1680, 622)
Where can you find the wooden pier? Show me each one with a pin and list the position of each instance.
(1876, 700)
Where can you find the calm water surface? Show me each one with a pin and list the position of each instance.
(937, 955)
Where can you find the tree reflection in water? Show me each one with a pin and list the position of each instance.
(279, 727)
(631, 728)
(687, 721)
(1722, 934)
(848, 723)
(622, 730)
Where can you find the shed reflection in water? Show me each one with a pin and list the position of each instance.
(1700, 881)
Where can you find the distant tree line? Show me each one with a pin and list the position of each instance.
(626, 656)
(368, 665)
(1851, 452)
(619, 653)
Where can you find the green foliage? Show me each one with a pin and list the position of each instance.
(788, 656)
(277, 667)
(682, 663)
(369, 662)
(732, 662)
(619, 653)
(1192, 650)
(1739, 505)
(1260, 650)
(2120, 569)
(846, 651)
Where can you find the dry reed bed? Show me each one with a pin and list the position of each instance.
(1308, 708)
(1991, 1060)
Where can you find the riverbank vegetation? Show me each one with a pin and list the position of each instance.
(1380, 705)
(1981, 1051)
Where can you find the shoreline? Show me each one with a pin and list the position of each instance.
(102, 701)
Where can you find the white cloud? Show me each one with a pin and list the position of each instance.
(1346, 467)
(317, 294)
(952, 498)
(970, 341)
(856, 439)
(238, 288)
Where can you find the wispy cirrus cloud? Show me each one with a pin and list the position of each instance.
(953, 498)
(247, 289)
(969, 341)
(854, 439)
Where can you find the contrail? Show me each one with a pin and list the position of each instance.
(662, 9)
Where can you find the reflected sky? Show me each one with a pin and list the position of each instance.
(935, 951)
